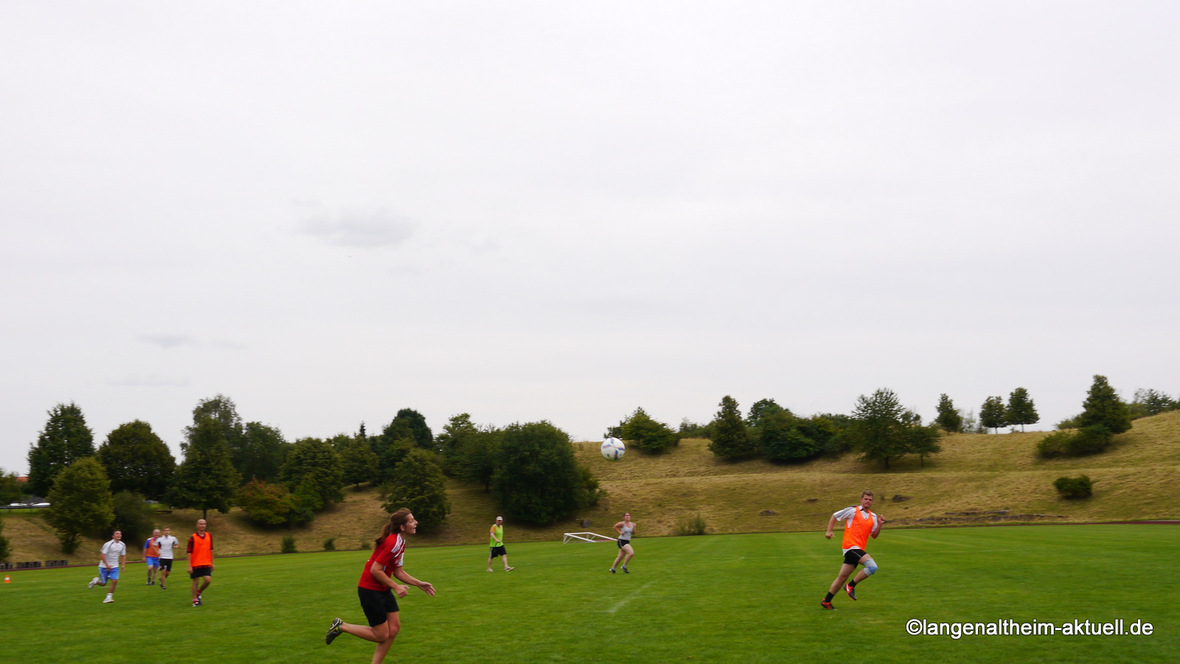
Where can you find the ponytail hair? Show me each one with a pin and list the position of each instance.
(395, 523)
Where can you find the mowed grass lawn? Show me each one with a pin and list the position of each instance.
(717, 598)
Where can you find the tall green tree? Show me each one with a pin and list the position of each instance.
(409, 423)
(922, 440)
(65, 439)
(259, 451)
(459, 428)
(761, 408)
(948, 418)
(993, 415)
(477, 456)
(358, 462)
(878, 429)
(1020, 409)
(137, 460)
(646, 434)
(538, 480)
(313, 470)
(731, 437)
(206, 479)
(419, 484)
(1104, 407)
(80, 502)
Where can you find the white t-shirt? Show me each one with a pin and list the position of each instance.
(167, 543)
(112, 551)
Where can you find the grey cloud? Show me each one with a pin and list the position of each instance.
(352, 229)
(168, 340)
(148, 381)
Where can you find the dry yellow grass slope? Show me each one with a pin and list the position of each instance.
(975, 479)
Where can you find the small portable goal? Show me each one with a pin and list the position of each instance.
(586, 537)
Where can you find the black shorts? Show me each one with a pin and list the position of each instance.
(497, 551)
(166, 563)
(199, 572)
(623, 543)
(377, 604)
(853, 556)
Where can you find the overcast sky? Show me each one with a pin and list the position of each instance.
(564, 211)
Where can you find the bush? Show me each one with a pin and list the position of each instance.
(288, 545)
(330, 544)
(1074, 487)
(691, 525)
(266, 504)
(1055, 445)
(365, 544)
(1090, 440)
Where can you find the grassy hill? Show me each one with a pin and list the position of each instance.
(975, 479)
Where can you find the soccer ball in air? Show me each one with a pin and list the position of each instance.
(613, 449)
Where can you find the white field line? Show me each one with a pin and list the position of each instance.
(630, 597)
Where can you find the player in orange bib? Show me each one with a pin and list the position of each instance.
(859, 524)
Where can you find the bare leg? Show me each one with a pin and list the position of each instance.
(838, 584)
(382, 649)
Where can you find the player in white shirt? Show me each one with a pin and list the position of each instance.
(167, 543)
(114, 555)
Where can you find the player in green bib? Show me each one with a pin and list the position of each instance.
(496, 541)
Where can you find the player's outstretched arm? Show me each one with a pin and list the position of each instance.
(405, 577)
(877, 528)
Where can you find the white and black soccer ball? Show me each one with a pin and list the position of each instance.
(613, 449)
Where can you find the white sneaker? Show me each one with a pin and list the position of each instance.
(92, 583)
(109, 599)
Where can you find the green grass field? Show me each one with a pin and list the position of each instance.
(719, 598)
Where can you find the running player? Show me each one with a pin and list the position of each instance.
(377, 587)
(625, 529)
(859, 524)
(168, 544)
(151, 556)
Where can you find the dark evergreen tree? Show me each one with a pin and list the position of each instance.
(1104, 407)
(948, 419)
(419, 484)
(993, 415)
(137, 460)
(1021, 409)
(65, 439)
(1151, 402)
(206, 479)
(538, 480)
(80, 502)
(731, 438)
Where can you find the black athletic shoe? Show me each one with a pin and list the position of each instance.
(625, 570)
(827, 605)
(612, 570)
(334, 631)
(850, 590)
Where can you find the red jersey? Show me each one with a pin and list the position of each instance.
(389, 555)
